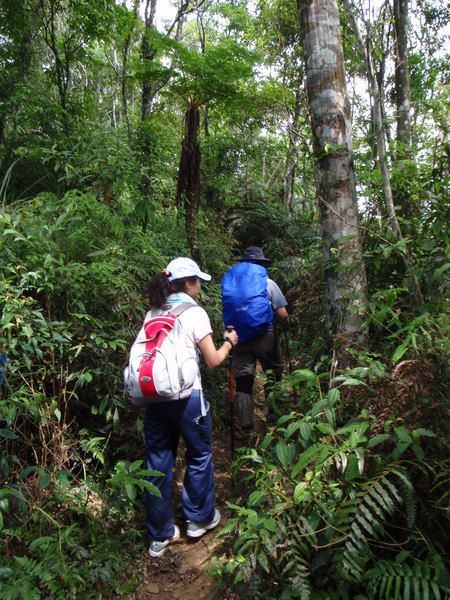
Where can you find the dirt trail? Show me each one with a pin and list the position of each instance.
(182, 572)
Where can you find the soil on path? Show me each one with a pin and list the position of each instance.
(183, 572)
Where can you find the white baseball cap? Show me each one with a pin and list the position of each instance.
(185, 267)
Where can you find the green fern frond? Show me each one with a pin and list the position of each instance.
(296, 554)
(407, 581)
(299, 578)
(341, 593)
(363, 518)
(441, 484)
(409, 502)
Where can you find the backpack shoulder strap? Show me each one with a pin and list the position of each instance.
(179, 309)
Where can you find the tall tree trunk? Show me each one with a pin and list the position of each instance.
(292, 154)
(375, 93)
(50, 16)
(402, 86)
(188, 187)
(408, 207)
(148, 54)
(124, 71)
(331, 126)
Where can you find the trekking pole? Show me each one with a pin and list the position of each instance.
(288, 352)
(231, 398)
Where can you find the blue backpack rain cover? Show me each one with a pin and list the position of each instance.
(245, 302)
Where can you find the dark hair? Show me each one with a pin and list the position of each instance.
(159, 288)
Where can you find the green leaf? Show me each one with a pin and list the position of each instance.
(378, 439)
(400, 449)
(45, 480)
(353, 381)
(151, 488)
(303, 375)
(7, 433)
(325, 428)
(403, 434)
(310, 455)
(41, 541)
(270, 525)
(131, 492)
(399, 352)
(416, 433)
(284, 453)
(266, 441)
(333, 396)
(300, 491)
(292, 428)
(305, 430)
(256, 497)
(420, 454)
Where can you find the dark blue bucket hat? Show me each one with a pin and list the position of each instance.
(254, 254)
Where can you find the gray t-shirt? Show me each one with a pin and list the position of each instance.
(276, 296)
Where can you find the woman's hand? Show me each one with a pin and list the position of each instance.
(230, 335)
(213, 357)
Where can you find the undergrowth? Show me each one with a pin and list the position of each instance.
(338, 505)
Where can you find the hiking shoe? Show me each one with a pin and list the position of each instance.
(195, 530)
(157, 548)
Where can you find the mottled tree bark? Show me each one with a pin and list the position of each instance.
(330, 118)
(407, 206)
(402, 86)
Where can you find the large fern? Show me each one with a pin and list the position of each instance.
(363, 518)
(407, 580)
(296, 567)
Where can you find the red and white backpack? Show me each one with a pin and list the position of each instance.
(161, 366)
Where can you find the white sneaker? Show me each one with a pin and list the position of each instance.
(195, 530)
(157, 548)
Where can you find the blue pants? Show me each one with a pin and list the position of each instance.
(164, 422)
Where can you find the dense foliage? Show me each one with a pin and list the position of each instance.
(133, 132)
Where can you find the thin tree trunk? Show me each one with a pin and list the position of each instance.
(115, 93)
(263, 175)
(188, 187)
(381, 149)
(292, 155)
(402, 85)
(148, 54)
(62, 61)
(331, 126)
(408, 207)
(123, 75)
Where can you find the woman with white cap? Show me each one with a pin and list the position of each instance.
(187, 416)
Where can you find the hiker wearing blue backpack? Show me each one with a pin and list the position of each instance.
(250, 302)
(163, 375)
